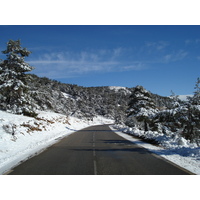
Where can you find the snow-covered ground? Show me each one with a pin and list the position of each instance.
(175, 149)
(22, 137)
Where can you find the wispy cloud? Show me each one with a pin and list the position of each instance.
(68, 64)
(159, 45)
(175, 56)
(192, 41)
(136, 66)
(65, 64)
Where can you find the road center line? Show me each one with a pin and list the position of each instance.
(95, 167)
(94, 155)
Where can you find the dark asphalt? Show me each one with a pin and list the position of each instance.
(96, 150)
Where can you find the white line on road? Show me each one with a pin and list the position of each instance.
(94, 152)
(94, 156)
(95, 167)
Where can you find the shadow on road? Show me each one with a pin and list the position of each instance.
(138, 150)
(86, 130)
(117, 141)
(182, 151)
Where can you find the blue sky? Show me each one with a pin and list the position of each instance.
(160, 58)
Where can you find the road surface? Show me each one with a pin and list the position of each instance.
(96, 151)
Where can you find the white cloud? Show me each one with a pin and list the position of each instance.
(168, 57)
(134, 66)
(188, 41)
(67, 64)
(63, 64)
(117, 52)
(192, 41)
(179, 55)
(160, 45)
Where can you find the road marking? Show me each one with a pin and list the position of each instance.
(94, 152)
(93, 137)
(94, 155)
(95, 167)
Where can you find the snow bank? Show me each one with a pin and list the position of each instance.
(22, 137)
(173, 148)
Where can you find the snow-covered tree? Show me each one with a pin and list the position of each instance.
(141, 108)
(192, 124)
(175, 99)
(196, 97)
(13, 79)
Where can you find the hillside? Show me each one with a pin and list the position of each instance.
(84, 102)
(78, 101)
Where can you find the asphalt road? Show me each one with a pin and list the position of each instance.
(96, 151)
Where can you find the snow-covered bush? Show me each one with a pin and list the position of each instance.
(10, 128)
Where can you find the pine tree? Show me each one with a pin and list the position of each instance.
(141, 108)
(175, 99)
(192, 125)
(13, 80)
(196, 98)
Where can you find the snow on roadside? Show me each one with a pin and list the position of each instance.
(176, 150)
(22, 137)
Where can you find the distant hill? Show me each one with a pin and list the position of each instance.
(184, 97)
